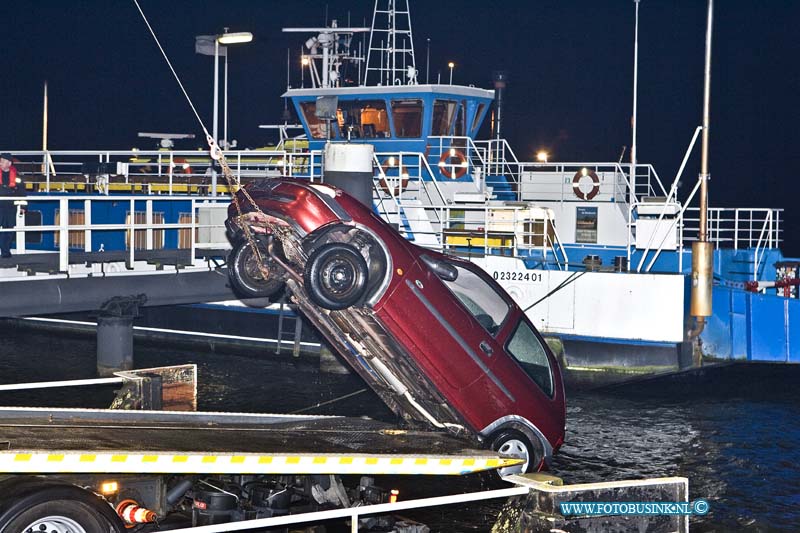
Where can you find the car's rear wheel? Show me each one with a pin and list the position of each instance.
(247, 277)
(515, 444)
(336, 276)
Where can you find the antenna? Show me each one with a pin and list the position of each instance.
(331, 47)
(390, 57)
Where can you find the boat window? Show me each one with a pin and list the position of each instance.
(461, 120)
(444, 112)
(365, 119)
(407, 117)
(317, 128)
(479, 297)
(478, 113)
(531, 355)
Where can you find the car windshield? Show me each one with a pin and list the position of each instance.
(526, 348)
(479, 297)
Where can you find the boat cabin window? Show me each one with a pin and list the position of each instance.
(363, 119)
(407, 117)
(477, 120)
(461, 120)
(317, 127)
(531, 355)
(480, 298)
(444, 113)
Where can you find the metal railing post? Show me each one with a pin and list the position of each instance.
(63, 235)
(131, 233)
(148, 218)
(87, 220)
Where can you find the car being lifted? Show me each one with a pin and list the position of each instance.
(437, 339)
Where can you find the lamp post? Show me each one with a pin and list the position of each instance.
(203, 46)
(451, 65)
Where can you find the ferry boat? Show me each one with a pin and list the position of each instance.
(597, 253)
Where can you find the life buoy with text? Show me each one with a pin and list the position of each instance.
(576, 184)
(453, 170)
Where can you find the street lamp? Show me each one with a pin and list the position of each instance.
(203, 46)
(542, 156)
(451, 65)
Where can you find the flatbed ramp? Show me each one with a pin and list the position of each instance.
(44, 440)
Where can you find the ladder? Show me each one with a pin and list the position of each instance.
(290, 327)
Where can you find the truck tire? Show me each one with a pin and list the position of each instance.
(336, 276)
(56, 507)
(247, 279)
(515, 444)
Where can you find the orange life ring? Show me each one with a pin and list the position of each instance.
(576, 184)
(445, 165)
(181, 166)
(393, 185)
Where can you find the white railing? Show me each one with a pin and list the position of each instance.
(140, 236)
(155, 171)
(738, 227)
(485, 230)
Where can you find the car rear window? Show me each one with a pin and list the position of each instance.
(480, 298)
(526, 348)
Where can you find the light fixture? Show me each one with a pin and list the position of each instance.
(235, 38)
(542, 156)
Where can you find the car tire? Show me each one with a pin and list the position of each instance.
(247, 279)
(336, 276)
(514, 443)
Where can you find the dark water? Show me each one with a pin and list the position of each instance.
(734, 432)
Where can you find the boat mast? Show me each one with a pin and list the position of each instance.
(390, 56)
(331, 47)
(635, 94)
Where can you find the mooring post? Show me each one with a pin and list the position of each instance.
(115, 334)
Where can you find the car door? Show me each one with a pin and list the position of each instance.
(449, 328)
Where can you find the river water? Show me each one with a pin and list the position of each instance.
(734, 432)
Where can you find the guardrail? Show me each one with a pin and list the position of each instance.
(75, 223)
(738, 227)
(158, 171)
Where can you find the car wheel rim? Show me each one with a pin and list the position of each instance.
(338, 276)
(515, 448)
(54, 524)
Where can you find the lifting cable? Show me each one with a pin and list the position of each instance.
(571, 279)
(321, 404)
(234, 183)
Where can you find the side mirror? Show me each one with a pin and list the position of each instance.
(445, 271)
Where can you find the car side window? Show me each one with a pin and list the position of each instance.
(481, 300)
(526, 348)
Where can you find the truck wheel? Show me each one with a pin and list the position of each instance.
(336, 276)
(515, 444)
(247, 278)
(35, 505)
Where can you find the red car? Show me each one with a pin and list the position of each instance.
(437, 339)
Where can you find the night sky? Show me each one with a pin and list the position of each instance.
(570, 66)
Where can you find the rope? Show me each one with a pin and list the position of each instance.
(571, 279)
(234, 183)
(158, 43)
(340, 398)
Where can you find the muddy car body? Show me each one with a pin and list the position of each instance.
(439, 341)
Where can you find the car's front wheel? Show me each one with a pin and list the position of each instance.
(515, 444)
(336, 276)
(248, 278)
